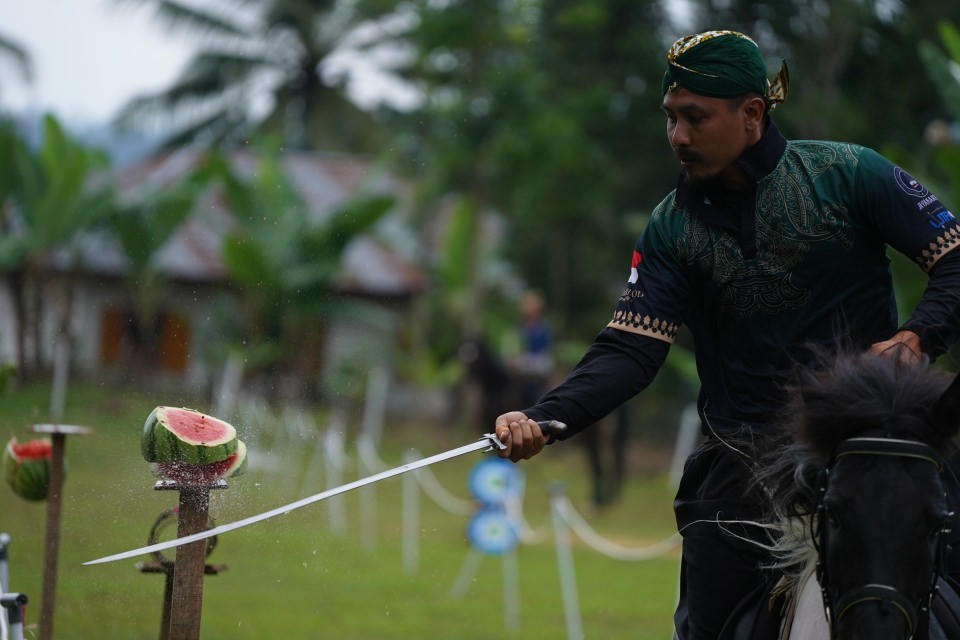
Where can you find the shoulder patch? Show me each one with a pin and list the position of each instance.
(909, 184)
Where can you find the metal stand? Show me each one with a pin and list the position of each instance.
(58, 433)
(4, 553)
(14, 604)
(186, 590)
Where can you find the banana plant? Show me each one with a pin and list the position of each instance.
(54, 194)
(143, 227)
(286, 259)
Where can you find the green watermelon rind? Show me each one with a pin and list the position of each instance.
(160, 443)
(29, 478)
(239, 466)
(234, 465)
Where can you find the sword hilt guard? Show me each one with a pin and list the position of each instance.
(551, 428)
(494, 442)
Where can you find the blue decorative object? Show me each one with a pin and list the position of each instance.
(492, 532)
(493, 480)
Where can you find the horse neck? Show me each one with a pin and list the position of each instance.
(805, 618)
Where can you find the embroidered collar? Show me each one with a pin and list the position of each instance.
(757, 162)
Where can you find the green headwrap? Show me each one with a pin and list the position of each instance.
(722, 64)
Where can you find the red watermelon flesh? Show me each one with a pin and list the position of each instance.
(26, 467)
(32, 449)
(186, 473)
(186, 436)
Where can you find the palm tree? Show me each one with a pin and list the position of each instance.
(13, 51)
(262, 69)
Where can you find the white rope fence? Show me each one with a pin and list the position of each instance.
(563, 523)
(446, 500)
(450, 503)
(438, 493)
(576, 523)
(514, 508)
(370, 463)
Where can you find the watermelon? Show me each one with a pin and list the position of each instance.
(26, 467)
(186, 436)
(185, 473)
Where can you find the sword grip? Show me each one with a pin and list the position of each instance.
(552, 428)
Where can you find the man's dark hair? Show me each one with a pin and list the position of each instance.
(736, 103)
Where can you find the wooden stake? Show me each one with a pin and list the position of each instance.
(51, 552)
(186, 601)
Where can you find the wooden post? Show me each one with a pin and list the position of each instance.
(186, 601)
(163, 565)
(186, 588)
(167, 601)
(51, 551)
(166, 568)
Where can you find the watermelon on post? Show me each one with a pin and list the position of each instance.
(26, 468)
(180, 435)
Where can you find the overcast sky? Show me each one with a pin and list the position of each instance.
(91, 56)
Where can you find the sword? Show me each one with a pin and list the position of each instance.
(488, 442)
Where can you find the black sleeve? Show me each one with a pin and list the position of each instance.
(616, 367)
(937, 316)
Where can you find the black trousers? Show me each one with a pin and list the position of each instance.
(720, 563)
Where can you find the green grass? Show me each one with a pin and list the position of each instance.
(292, 577)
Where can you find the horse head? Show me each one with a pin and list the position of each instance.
(873, 431)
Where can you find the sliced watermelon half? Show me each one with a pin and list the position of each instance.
(184, 473)
(26, 467)
(187, 436)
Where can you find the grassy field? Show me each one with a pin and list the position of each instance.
(292, 577)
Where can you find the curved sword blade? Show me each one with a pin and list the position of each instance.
(487, 442)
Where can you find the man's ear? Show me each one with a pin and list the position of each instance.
(754, 108)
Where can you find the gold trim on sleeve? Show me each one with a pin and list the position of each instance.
(940, 247)
(644, 325)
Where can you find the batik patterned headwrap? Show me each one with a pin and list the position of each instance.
(722, 64)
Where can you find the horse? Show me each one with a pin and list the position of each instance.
(859, 514)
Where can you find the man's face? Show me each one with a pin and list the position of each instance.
(707, 134)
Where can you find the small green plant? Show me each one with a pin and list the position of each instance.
(8, 371)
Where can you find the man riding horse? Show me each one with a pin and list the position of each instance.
(765, 247)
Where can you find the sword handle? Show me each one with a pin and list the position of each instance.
(549, 428)
(552, 428)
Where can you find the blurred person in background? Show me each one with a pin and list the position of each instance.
(533, 365)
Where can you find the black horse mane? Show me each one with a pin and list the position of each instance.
(841, 396)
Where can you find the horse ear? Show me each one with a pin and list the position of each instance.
(946, 413)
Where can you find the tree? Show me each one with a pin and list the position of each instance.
(55, 197)
(941, 67)
(13, 51)
(461, 59)
(142, 227)
(856, 72)
(285, 259)
(262, 70)
(546, 113)
(585, 157)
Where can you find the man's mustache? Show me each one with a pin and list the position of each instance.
(687, 156)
